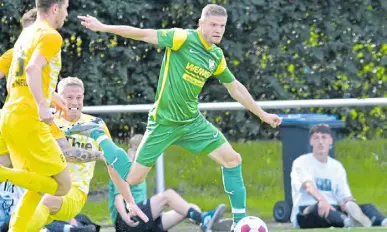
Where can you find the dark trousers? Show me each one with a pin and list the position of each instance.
(336, 218)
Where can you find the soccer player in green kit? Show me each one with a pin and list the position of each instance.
(191, 58)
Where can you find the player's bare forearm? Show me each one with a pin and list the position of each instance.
(1, 74)
(34, 81)
(146, 35)
(120, 184)
(313, 191)
(242, 95)
(79, 155)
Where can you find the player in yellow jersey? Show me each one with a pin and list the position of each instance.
(66, 207)
(26, 116)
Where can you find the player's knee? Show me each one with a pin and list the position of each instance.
(170, 193)
(195, 207)
(64, 186)
(234, 160)
(53, 203)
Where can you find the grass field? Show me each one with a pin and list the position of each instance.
(198, 179)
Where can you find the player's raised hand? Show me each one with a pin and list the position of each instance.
(135, 211)
(91, 23)
(59, 103)
(272, 119)
(45, 115)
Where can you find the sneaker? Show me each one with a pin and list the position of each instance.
(212, 217)
(354, 211)
(86, 128)
(223, 225)
(384, 223)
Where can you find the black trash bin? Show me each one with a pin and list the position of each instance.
(294, 133)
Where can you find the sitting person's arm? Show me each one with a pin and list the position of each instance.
(120, 205)
(343, 194)
(301, 178)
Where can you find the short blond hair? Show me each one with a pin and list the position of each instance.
(213, 10)
(69, 81)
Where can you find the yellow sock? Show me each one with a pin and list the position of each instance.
(39, 219)
(23, 213)
(29, 180)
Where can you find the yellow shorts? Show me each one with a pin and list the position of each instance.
(31, 145)
(72, 205)
(3, 147)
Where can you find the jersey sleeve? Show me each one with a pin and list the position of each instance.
(299, 174)
(5, 61)
(223, 73)
(49, 44)
(171, 38)
(343, 190)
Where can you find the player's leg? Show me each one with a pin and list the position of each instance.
(114, 155)
(33, 148)
(155, 141)
(172, 218)
(354, 210)
(37, 160)
(58, 208)
(378, 219)
(202, 136)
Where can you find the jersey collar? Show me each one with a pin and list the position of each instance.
(205, 44)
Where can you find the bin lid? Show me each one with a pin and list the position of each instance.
(308, 120)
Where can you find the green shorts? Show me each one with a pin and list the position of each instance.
(198, 136)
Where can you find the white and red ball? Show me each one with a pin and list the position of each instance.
(251, 224)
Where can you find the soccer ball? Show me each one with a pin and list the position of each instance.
(251, 224)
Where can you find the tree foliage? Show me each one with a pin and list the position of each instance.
(281, 50)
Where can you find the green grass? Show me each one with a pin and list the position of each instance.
(198, 178)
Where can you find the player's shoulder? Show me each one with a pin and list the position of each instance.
(335, 162)
(48, 32)
(87, 118)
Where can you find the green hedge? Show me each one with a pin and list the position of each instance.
(279, 49)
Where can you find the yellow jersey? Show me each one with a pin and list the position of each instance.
(44, 39)
(5, 61)
(81, 173)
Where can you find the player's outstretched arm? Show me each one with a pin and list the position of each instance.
(1, 74)
(77, 155)
(242, 95)
(146, 35)
(124, 189)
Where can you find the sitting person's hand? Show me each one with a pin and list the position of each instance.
(324, 207)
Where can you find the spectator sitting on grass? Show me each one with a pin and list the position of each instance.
(320, 191)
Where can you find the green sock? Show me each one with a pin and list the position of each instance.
(114, 155)
(235, 188)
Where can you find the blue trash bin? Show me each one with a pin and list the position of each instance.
(294, 133)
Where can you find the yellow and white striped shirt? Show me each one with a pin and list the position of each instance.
(81, 173)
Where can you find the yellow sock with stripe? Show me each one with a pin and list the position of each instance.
(29, 180)
(24, 212)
